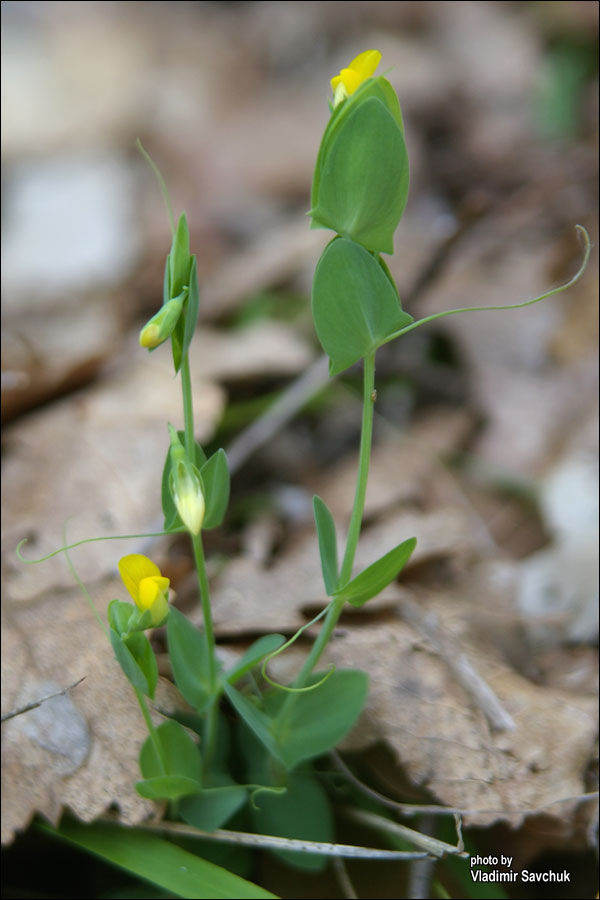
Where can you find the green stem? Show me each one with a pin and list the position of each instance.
(206, 610)
(188, 409)
(151, 729)
(353, 531)
(363, 468)
(317, 648)
(210, 720)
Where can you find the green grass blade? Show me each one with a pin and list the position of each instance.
(158, 861)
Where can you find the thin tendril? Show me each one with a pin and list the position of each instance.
(161, 182)
(262, 789)
(283, 647)
(83, 588)
(557, 290)
(300, 690)
(112, 537)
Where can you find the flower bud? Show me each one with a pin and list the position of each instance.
(186, 486)
(160, 326)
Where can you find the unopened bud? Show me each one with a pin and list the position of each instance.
(186, 486)
(160, 326)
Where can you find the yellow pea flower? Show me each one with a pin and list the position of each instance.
(351, 78)
(146, 585)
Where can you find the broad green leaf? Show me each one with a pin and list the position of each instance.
(316, 721)
(158, 861)
(378, 575)
(214, 806)
(254, 655)
(179, 754)
(137, 660)
(260, 723)
(355, 306)
(220, 796)
(172, 518)
(215, 478)
(300, 809)
(379, 88)
(383, 90)
(191, 307)
(167, 787)
(363, 182)
(189, 659)
(327, 545)
(302, 812)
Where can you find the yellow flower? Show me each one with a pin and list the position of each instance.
(351, 78)
(148, 588)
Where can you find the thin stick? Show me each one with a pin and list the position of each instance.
(344, 880)
(422, 870)
(433, 846)
(273, 842)
(283, 409)
(411, 809)
(29, 706)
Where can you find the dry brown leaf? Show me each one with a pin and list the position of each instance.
(78, 751)
(96, 460)
(103, 451)
(444, 741)
(248, 597)
(45, 354)
(529, 401)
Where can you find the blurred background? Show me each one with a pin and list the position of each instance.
(230, 99)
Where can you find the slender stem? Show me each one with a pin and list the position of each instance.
(206, 610)
(188, 408)
(210, 719)
(317, 648)
(353, 531)
(151, 729)
(363, 468)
